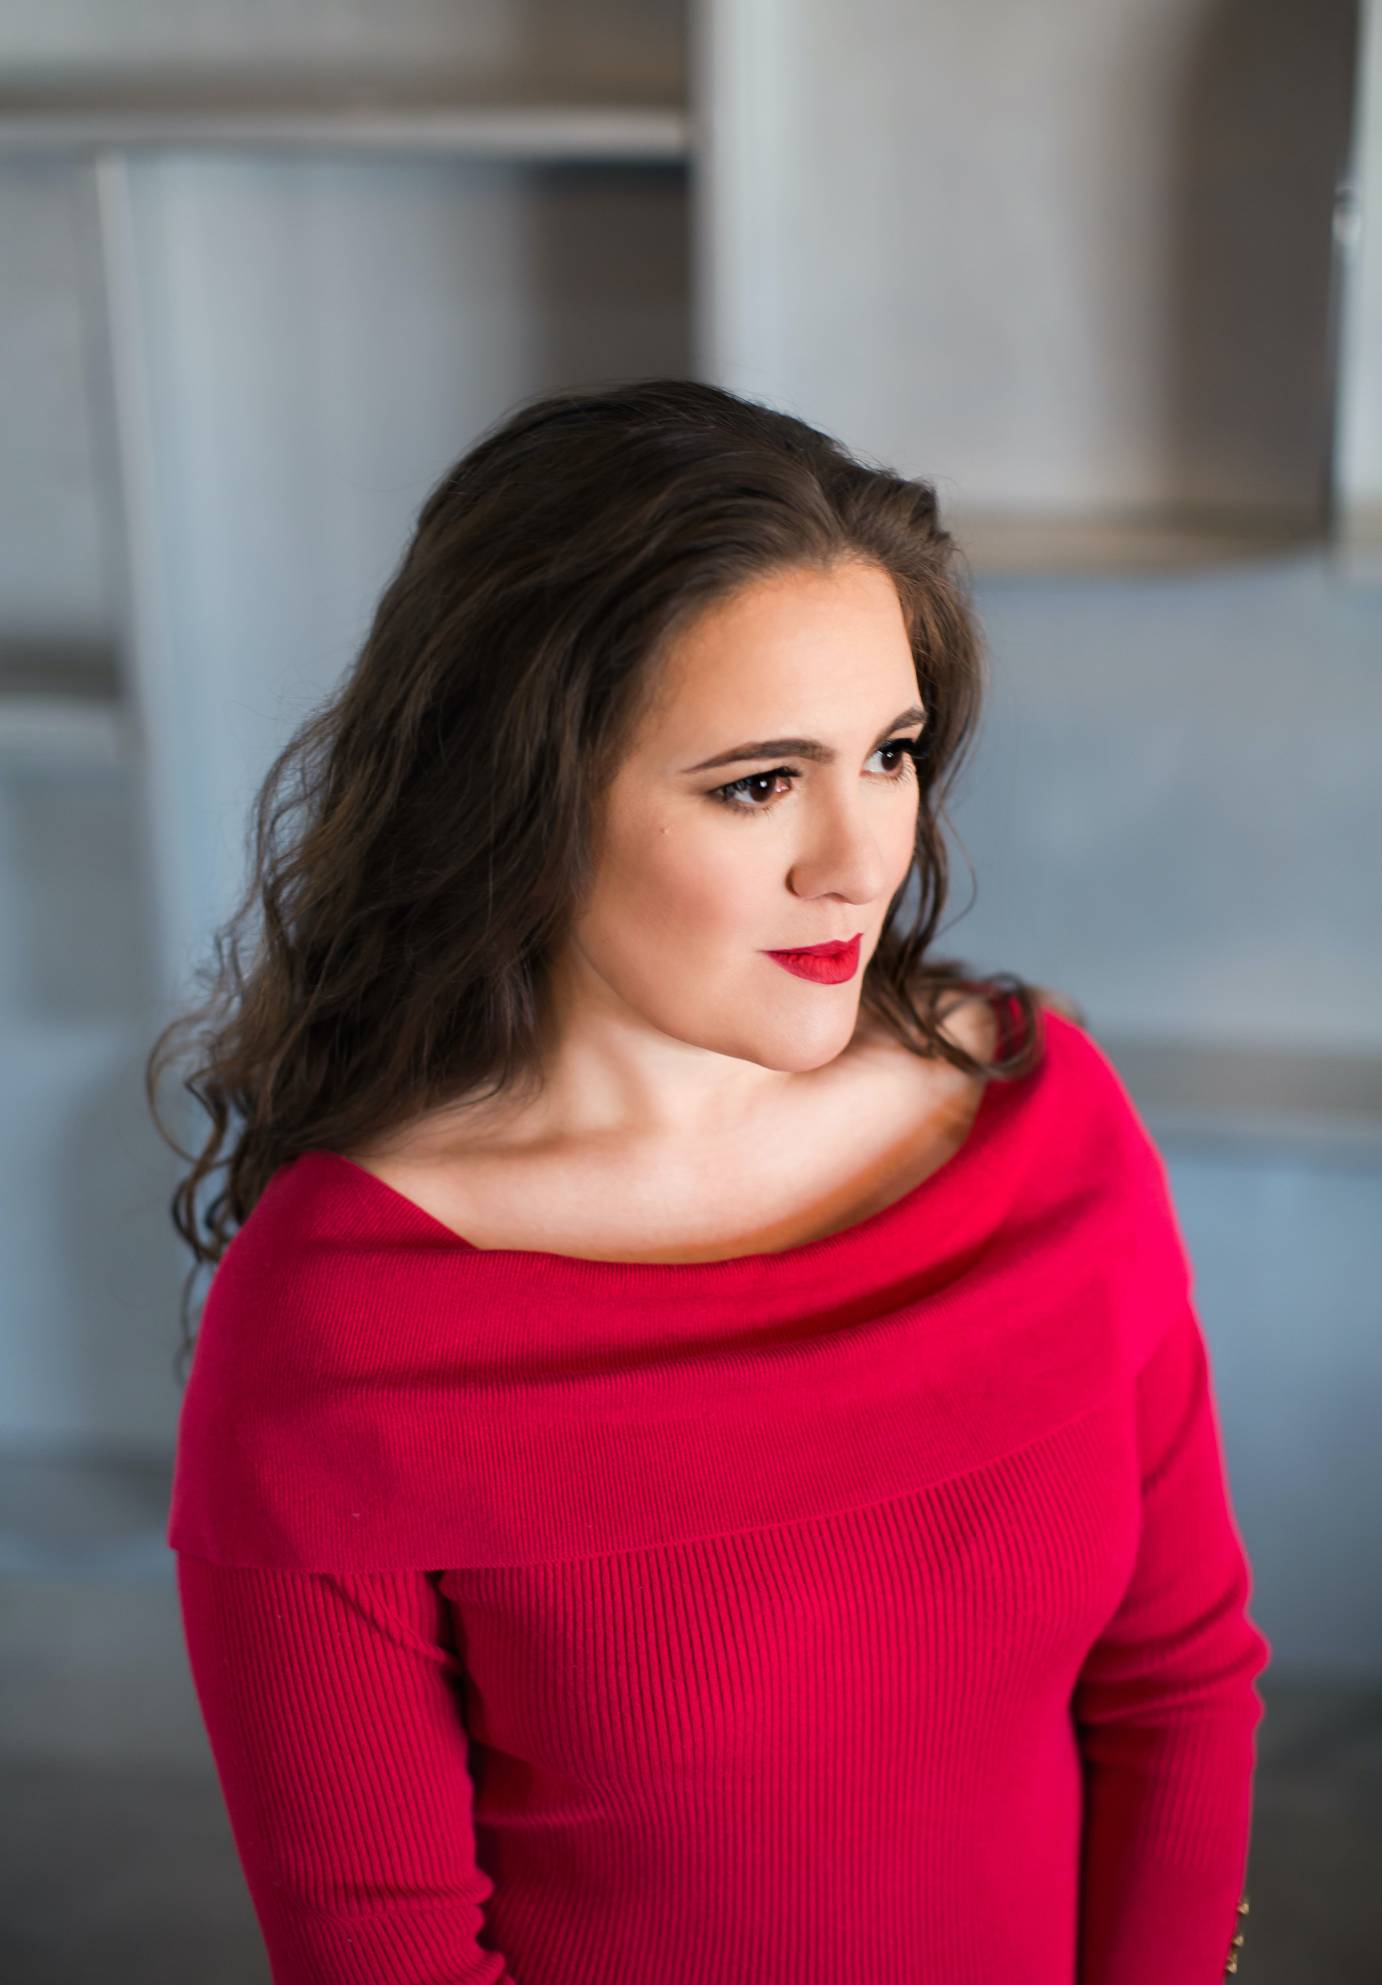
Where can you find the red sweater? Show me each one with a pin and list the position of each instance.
(868, 1613)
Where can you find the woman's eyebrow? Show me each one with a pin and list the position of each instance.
(799, 747)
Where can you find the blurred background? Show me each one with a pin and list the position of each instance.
(1110, 273)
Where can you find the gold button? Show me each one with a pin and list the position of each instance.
(1231, 1967)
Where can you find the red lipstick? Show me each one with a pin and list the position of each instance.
(826, 964)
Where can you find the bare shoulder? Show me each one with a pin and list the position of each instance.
(440, 1177)
(969, 1018)
(408, 1156)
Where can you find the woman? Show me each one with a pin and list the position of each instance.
(700, 1463)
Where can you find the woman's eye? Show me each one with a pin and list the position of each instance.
(902, 750)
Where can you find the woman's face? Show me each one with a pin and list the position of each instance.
(766, 804)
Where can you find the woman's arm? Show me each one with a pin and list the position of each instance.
(1166, 1706)
(333, 1709)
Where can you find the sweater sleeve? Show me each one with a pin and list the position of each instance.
(1166, 1706)
(332, 1708)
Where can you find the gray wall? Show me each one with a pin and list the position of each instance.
(1177, 800)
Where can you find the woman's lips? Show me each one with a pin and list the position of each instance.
(826, 964)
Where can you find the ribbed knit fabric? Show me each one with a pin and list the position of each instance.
(868, 1613)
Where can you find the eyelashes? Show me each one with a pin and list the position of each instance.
(911, 750)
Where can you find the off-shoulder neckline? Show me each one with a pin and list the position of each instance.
(998, 1096)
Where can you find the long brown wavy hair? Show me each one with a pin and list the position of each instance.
(420, 845)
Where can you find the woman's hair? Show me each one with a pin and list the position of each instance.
(421, 843)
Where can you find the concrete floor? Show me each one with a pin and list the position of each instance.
(116, 1859)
